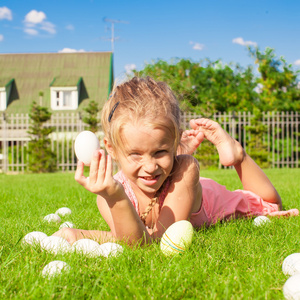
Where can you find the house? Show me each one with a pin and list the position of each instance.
(59, 81)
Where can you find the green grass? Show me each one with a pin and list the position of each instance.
(233, 260)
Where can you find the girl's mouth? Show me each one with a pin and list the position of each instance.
(149, 180)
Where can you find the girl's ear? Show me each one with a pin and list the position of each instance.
(109, 148)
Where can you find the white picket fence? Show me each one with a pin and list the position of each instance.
(282, 137)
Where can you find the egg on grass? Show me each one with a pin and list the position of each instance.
(55, 268)
(177, 238)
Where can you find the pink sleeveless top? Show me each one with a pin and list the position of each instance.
(129, 192)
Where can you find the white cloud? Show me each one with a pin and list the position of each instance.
(1, 37)
(35, 21)
(197, 46)
(297, 62)
(240, 41)
(129, 68)
(5, 13)
(31, 31)
(70, 50)
(35, 17)
(49, 27)
(70, 27)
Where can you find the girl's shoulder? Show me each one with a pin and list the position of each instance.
(186, 161)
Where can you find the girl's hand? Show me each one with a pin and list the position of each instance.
(100, 180)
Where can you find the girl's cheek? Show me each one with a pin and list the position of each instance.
(166, 162)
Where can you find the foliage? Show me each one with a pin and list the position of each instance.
(277, 81)
(41, 157)
(256, 147)
(207, 155)
(91, 118)
(206, 87)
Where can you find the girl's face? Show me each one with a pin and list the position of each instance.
(148, 157)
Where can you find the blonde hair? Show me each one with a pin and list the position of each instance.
(140, 99)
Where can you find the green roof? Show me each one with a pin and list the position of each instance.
(34, 73)
(65, 81)
(5, 81)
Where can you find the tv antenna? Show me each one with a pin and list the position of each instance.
(113, 38)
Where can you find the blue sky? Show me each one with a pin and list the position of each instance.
(151, 30)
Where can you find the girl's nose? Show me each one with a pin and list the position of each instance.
(150, 165)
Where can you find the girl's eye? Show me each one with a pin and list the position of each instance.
(161, 152)
(135, 156)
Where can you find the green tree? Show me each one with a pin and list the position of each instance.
(221, 88)
(206, 87)
(176, 74)
(278, 82)
(91, 118)
(41, 158)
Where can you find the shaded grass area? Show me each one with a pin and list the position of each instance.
(233, 260)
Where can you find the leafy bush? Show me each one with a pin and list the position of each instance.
(91, 118)
(207, 155)
(41, 157)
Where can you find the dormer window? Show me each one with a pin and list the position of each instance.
(65, 93)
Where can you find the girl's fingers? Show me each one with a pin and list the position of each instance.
(94, 167)
(102, 166)
(79, 173)
(109, 167)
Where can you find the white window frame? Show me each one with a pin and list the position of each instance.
(3, 99)
(57, 98)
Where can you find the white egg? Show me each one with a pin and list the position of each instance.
(55, 268)
(87, 247)
(86, 143)
(291, 288)
(63, 211)
(291, 264)
(34, 238)
(67, 225)
(261, 220)
(55, 244)
(110, 249)
(52, 218)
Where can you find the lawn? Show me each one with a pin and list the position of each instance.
(233, 260)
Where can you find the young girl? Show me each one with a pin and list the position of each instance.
(158, 182)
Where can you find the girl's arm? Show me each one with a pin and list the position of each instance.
(184, 197)
(114, 204)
